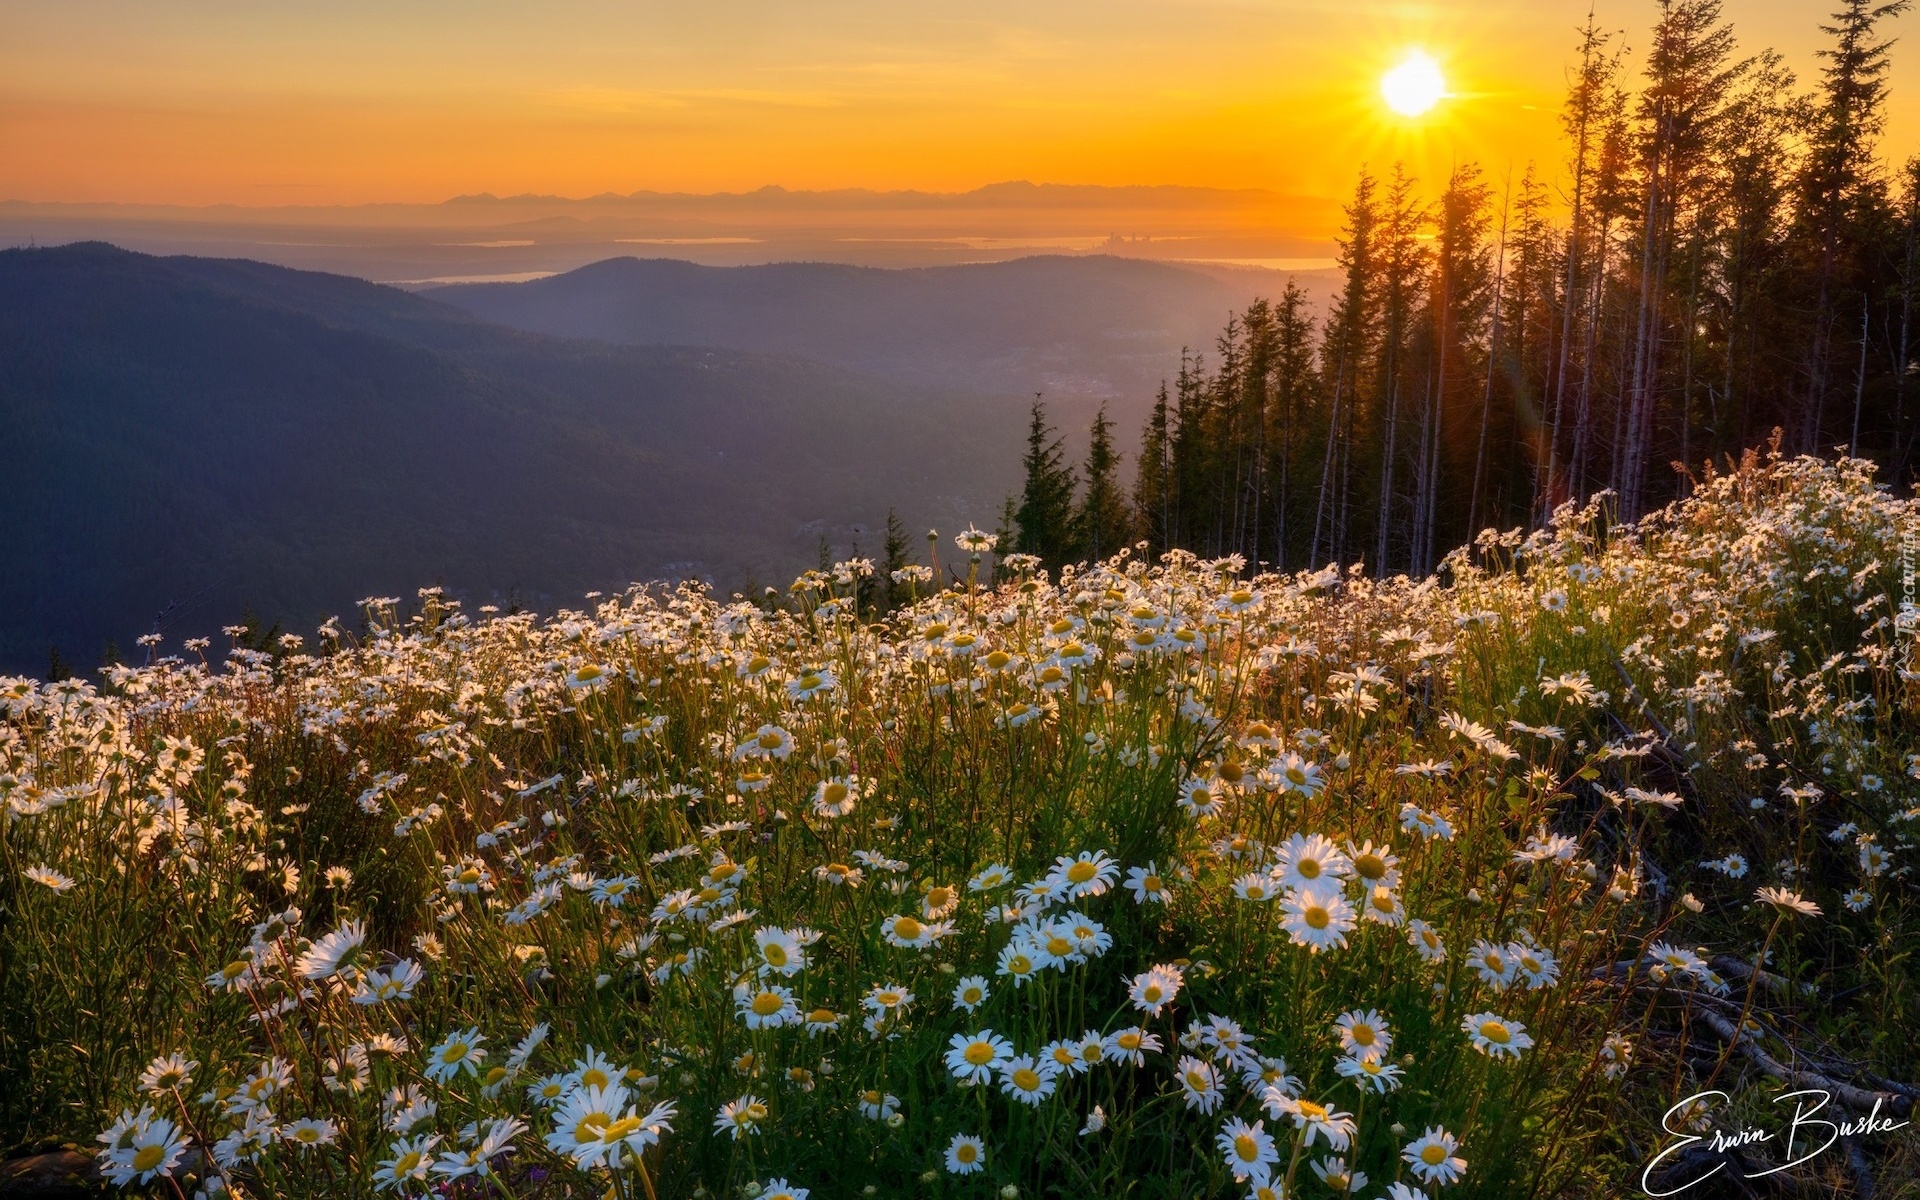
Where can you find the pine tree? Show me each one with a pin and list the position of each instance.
(894, 551)
(1100, 523)
(1045, 515)
(1153, 481)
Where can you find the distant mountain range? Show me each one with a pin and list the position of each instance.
(187, 440)
(1082, 329)
(507, 237)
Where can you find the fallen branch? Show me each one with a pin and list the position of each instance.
(1856, 1098)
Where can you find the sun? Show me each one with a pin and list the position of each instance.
(1414, 86)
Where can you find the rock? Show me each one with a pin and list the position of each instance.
(55, 1175)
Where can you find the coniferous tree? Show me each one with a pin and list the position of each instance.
(1153, 480)
(1045, 515)
(1101, 522)
(894, 559)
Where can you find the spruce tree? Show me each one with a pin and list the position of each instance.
(1101, 521)
(1045, 515)
(894, 550)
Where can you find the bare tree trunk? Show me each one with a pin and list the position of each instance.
(1493, 357)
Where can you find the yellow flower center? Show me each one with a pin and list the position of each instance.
(407, 1164)
(1317, 917)
(589, 1127)
(1370, 866)
(775, 954)
(1058, 946)
(148, 1157)
(1019, 964)
(979, 1054)
(1494, 1031)
(906, 929)
(767, 1003)
(1152, 993)
(454, 1052)
(1129, 1040)
(1080, 872)
(1309, 867)
(1026, 1079)
(1363, 1035)
(821, 1016)
(1434, 1155)
(1198, 1081)
(624, 1127)
(939, 897)
(966, 1152)
(1246, 1149)
(1312, 1111)
(999, 659)
(594, 1077)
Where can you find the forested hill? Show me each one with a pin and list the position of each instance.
(1083, 329)
(190, 439)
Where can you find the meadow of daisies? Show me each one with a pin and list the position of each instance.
(1156, 879)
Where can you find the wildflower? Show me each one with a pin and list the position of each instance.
(1615, 1053)
(1493, 964)
(886, 998)
(167, 1074)
(1495, 1037)
(781, 952)
(1426, 940)
(1130, 1045)
(911, 933)
(1382, 906)
(1335, 1173)
(1297, 775)
(47, 877)
(1154, 989)
(1306, 860)
(1096, 1121)
(1319, 1120)
(835, 797)
(1368, 1072)
(1249, 1149)
(411, 1162)
(459, 1052)
(990, 878)
(1538, 967)
(394, 983)
(1427, 824)
(1203, 797)
(1873, 859)
(1857, 900)
(1375, 866)
(1199, 1083)
(738, 1118)
(974, 1059)
(966, 1154)
(780, 1189)
(1090, 873)
(767, 1007)
(1431, 1156)
(876, 1105)
(1255, 888)
(141, 1147)
(1363, 1034)
(1788, 901)
(1316, 917)
(309, 1133)
(1018, 961)
(970, 993)
(1147, 885)
(1027, 1079)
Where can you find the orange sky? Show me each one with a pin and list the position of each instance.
(350, 101)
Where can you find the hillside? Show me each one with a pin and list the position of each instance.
(1084, 329)
(192, 438)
